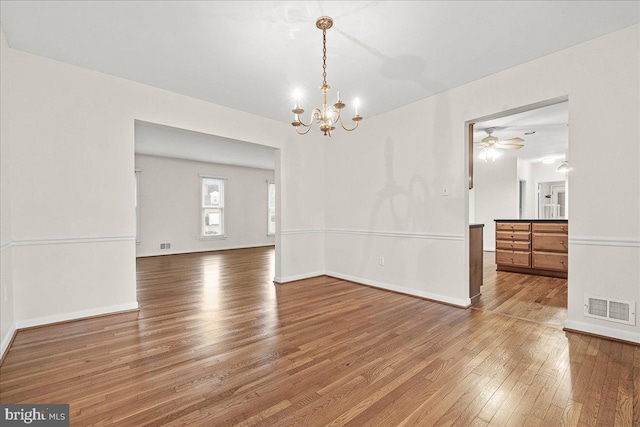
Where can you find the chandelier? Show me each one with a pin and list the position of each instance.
(328, 115)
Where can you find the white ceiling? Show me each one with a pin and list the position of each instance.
(164, 141)
(550, 140)
(252, 55)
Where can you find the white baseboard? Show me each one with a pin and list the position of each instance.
(603, 331)
(163, 252)
(6, 340)
(466, 302)
(75, 315)
(298, 277)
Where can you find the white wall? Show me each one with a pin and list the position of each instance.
(496, 195)
(530, 203)
(7, 319)
(169, 194)
(384, 182)
(71, 136)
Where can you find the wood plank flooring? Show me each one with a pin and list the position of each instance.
(536, 298)
(216, 343)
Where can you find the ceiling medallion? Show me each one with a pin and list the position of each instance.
(328, 115)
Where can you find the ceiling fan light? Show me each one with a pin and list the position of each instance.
(493, 154)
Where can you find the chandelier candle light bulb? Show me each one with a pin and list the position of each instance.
(328, 115)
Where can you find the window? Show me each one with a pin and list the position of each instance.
(212, 222)
(271, 209)
(137, 190)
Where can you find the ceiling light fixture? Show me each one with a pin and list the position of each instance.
(489, 153)
(564, 167)
(531, 132)
(328, 115)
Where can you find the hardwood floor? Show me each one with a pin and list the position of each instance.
(536, 298)
(217, 343)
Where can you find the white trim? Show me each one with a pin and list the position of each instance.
(203, 175)
(260, 245)
(604, 241)
(76, 315)
(402, 234)
(302, 231)
(298, 277)
(4, 346)
(67, 240)
(463, 303)
(603, 331)
(6, 245)
(214, 237)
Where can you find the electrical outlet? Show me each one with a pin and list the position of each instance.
(381, 261)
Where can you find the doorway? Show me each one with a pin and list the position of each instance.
(513, 158)
(199, 193)
(552, 200)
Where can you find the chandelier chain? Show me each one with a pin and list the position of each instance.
(324, 57)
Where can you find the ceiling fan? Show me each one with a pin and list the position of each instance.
(490, 144)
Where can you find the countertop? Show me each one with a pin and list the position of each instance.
(531, 220)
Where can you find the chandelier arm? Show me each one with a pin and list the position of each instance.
(346, 128)
(314, 114)
(305, 132)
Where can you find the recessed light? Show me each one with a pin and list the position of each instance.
(530, 132)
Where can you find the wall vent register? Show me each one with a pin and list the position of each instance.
(611, 309)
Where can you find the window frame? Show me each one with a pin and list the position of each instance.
(222, 207)
(269, 184)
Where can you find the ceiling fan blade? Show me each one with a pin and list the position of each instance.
(512, 140)
(489, 138)
(511, 146)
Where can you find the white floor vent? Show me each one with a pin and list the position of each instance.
(165, 245)
(614, 310)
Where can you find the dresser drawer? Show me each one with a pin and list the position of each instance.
(550, 242)
(550, 227)
(550, 261)
(513, 235)
(512, 245)
(513, 226)
(518, 259)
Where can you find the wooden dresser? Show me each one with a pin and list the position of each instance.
(532, 246)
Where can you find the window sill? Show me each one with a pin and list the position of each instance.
(220, 237)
